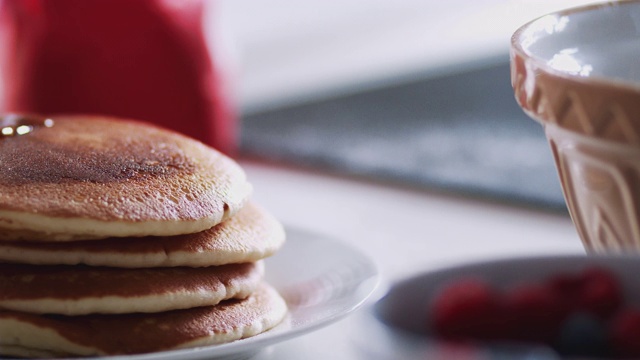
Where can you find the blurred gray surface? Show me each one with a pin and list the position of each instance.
(461, 132)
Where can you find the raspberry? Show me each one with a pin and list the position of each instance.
(567, 287)
(565, 283)
(468, 309)
(624, 333)
(595, 290)
(536, 312)
(601, 292)
(567, 312)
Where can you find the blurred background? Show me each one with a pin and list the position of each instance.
(404, 91)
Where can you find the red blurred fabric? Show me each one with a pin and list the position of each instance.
(143, 59)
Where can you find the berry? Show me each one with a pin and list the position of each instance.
(624, 333)
(582, 335)
(565, 283)
(601, 292)
(467, 309)
(595, 290)
(567, 287)
(567, 312)
(536, 312)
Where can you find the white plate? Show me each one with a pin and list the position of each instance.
(397, 322)
(322, 280)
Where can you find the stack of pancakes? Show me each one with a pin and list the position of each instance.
(118, 237)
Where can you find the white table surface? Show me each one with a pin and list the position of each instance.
(405, 231)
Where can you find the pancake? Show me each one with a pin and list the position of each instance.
(251, 235)
(94, 335)
(90, 177)
(78, 290)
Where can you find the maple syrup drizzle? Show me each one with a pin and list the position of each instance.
(17, 125)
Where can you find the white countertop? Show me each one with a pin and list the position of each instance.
(405, 231)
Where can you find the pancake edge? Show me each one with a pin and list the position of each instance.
(273, 240)
(176, 300)
(23, 226)
(49, 341)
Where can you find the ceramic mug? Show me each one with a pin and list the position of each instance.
(577, 73)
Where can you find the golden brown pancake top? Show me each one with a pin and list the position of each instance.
(113, 170)
(72, 152)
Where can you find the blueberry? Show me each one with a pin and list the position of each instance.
(582, 334)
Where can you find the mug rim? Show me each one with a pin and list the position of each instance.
(594, 106)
